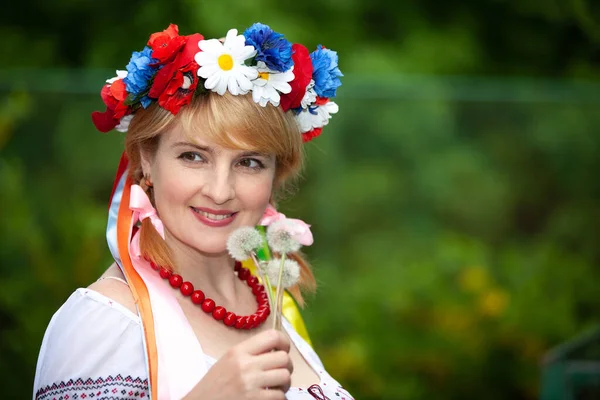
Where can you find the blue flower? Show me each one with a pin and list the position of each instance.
(139, 73)
(271, 47)
(325, 72)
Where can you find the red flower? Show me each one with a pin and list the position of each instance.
(113, 95)
(105, 121)
(166, 44)
(308, 136)
(175, 83)
(321, 101)
(119, 94)
(303, 70)
(181, 88)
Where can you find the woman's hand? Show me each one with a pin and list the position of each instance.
(259, 368)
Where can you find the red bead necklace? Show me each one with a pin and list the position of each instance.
(218, 312)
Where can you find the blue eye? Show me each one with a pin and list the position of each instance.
(191, 156)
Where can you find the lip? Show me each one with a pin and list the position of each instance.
(210, 222)
(216, 212)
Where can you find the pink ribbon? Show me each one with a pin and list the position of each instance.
(142, 208)
(298, 229)
(271, 215)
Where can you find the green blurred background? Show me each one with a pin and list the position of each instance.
(454, 199)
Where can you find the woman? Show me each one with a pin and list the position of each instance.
(214, 132)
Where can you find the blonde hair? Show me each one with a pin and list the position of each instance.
(235, 122)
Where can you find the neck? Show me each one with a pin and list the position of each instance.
(211, 273)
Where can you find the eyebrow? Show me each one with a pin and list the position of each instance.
(190, 144)
(210, 150)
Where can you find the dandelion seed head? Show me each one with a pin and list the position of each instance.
(242, 242)
(279, 238)
(290, 275)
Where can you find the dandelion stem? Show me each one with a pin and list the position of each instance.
(265, 279)
(279, 296)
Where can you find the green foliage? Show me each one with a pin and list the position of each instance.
(456, 242)
(456, 218)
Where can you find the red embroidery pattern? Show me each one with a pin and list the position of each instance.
(316, 392)
(109, 388)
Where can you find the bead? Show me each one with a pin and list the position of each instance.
(164, 273)
(262, 307)
(237, 266)
(197, 297)
(262, 315)
(219, 313)
(262, 300)
(239, 322)
(154, 266)
(252, 321)
(175, 280)
(230, 319)
(208, 305)
(252, 281)
(186, 288)
(243, 274)
(263, 311)
(258, 289)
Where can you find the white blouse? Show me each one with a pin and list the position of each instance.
(93, 349)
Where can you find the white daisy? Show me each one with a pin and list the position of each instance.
(316, 117)
(120, 75)
(310, 96)
(269, 84)
(222, 64)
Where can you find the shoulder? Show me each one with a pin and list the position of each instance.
(93, 336)
(89, 320)
(113, 286)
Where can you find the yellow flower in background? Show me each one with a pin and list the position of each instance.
(348, 362)
(494, 302)
(348, 359)
(455, 321)
(474, 279)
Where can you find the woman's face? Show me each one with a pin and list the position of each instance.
(203, 192)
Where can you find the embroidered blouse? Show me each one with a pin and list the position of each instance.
(93, 349)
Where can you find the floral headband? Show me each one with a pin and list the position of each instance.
(172, 69)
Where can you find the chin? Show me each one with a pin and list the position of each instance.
(215, 247)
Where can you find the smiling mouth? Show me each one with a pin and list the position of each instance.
(214, 217)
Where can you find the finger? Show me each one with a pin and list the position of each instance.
(267, 341)
(280, 377)
(273, 360)
(272, 394)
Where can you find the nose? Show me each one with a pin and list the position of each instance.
(219, 186)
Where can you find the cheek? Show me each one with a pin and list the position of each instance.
(255, 193)
(172, 183)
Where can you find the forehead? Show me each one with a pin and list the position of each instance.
(218, 142)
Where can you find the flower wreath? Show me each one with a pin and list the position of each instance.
(172, 69)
